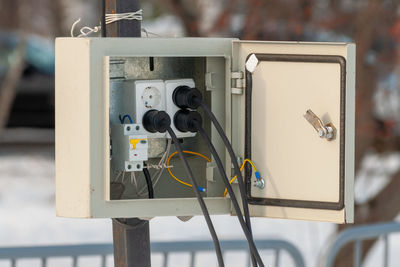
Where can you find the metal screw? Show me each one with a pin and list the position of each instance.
(128, 128)
(138, 166)
(137, 128)
(321, 133)
(259, 183)
(330, 133)
(129, 167)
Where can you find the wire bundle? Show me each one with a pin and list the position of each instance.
(109, 18)
(137, 15)
(209, 160)
(159, 172)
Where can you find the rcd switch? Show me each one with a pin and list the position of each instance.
(129, 147)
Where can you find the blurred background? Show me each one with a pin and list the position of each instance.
(27, 32)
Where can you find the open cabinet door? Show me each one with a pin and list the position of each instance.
(297, 126)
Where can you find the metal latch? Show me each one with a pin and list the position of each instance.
(237, 83)
(327, 131)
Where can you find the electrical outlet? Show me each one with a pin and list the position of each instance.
(141, 96)
(171, 108)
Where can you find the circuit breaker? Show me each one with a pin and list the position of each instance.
(129, 147)
(129, 138)
(286, 107)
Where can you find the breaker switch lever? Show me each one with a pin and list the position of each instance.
(134, 142)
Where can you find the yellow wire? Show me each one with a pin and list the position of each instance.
(241, 169)
(209, 160)
(186, 152)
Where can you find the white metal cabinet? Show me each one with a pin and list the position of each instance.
(296, 164)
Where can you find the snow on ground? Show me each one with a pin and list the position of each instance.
(28, 213)
(28, 217)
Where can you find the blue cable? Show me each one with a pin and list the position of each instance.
(201, 189)
(122, 119)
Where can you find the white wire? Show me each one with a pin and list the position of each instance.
(73, 26)
(134, 181)
(123, 177)
(150, 33)
(85, 31)
(110, 18)
(162, 162)
(159, 172)
(137, 15)
(116, 178)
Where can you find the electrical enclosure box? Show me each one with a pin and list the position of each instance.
(287, 105)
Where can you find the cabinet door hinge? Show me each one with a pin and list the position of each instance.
(237, 83)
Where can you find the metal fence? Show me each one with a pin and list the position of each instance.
(358, 235)
(44, 253)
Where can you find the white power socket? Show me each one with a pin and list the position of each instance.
(171, 108)
(142, 96)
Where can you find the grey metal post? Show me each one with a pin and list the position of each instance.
(131, 243)
(131, 235)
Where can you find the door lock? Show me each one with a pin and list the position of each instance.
(327, 131)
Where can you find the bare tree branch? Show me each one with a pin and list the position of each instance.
(223, 22)
(190, 17)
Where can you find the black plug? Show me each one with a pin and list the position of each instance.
(187, 121)
(186, 97)
(156, 121)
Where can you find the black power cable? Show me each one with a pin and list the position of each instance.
(247, 128)
(235, 203)
(148, 182)
(199, 197)
(186, 97)
(159, 121)
(228, 146)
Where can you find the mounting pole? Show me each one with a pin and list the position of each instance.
(131, 235)
(122, 28)
(131, 243)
